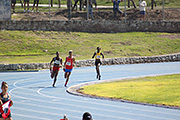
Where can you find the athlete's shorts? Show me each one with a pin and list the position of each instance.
(68, 70)
(36, 2)
(26, 0)
(97, 62)
(13, 1)
(142, 12)
(56, 68)
(8, 115)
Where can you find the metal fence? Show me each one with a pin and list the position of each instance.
(160, 10)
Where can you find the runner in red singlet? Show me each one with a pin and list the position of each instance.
(68, 66)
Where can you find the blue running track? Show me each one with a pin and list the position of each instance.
(35, 98)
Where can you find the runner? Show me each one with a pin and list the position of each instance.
(98, 62)
(5, 103)
(68, 66)
(56, 67)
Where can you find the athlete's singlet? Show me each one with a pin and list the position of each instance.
(98, 55)
(69, 63)
(57, 61)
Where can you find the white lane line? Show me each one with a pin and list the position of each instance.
(108, 105)
(121, 107)
(46, 96)
(28, 116)
(75, 111)
(43, 106)
(74, 106)
(27, 80)
(66, 105)
(107, 109)
(41, 112)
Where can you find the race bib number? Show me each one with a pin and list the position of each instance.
(57, 62)
(68, 63)
(98, 56)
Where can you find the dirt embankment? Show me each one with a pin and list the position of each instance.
(101, 14)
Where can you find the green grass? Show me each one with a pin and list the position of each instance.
(163, 90)
(29, 46)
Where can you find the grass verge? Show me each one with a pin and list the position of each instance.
(40, 46)
(162, 90)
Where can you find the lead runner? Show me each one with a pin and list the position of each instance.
(68, 66)
(98, 62)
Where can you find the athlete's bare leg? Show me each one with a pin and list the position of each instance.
(6, 119)
(9, 118)
(55, 78)
(65, 75)
(67, 79)
(98, 72)
(52, 74)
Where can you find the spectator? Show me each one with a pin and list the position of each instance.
(13, 3)
(5, 103)
(75, 4)
(26, 2)
(21, 3)
(116, 7)
(35, 2)
(64, 118)
(90, 9)
(142, 5)
(69, 4)
(87, 116)
(95, 3)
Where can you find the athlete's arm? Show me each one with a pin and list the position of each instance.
(1, 101)
(65, 64)
(94, 55)
(11, 103)
(73, 61)
(102, 55)
(61, 62)
(51, 63)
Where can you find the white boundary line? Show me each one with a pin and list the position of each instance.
(88, 107)
(27, 116)
(38, 91)
(56, 103)
(87, 102)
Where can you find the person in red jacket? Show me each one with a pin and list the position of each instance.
(68, 66)
(5, 103)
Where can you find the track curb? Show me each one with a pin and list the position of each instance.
(73, 90)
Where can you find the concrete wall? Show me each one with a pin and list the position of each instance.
(107, 61)
(5, 10)
(93, 26)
